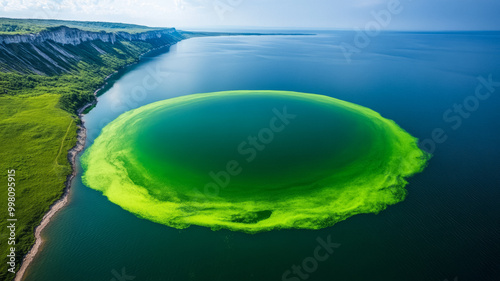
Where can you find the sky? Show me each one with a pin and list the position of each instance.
(307, 14)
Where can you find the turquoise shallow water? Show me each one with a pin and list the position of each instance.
(447, 226)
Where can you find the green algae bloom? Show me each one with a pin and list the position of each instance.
(252, 161)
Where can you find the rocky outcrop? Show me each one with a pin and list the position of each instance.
(73, 36)
(60, 49)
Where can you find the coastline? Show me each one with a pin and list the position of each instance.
(59, 204)
(72, 153)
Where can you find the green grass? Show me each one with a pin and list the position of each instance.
(35, 136)
(38, 126)
(77, 86)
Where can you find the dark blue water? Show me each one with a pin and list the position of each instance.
(449, 225)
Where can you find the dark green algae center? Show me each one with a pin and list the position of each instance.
(236, 159)
(192, 145)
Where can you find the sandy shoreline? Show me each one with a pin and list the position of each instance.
(72, 153)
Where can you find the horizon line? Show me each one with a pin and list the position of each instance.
(266, 27)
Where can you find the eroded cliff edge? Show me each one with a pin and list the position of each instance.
(58, 50)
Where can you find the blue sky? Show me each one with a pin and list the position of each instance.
(331, 14)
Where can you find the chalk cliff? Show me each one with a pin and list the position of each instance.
(59, 49)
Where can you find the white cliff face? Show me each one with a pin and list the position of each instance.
(65, 35)
(144, 36)
(60, 49)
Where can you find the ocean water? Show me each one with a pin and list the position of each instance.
(434, 85)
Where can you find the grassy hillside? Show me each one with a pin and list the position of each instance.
(35, 137)
(82, 77)
(38, 122)
(25, 26)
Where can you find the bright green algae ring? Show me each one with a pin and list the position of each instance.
(252, 161)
